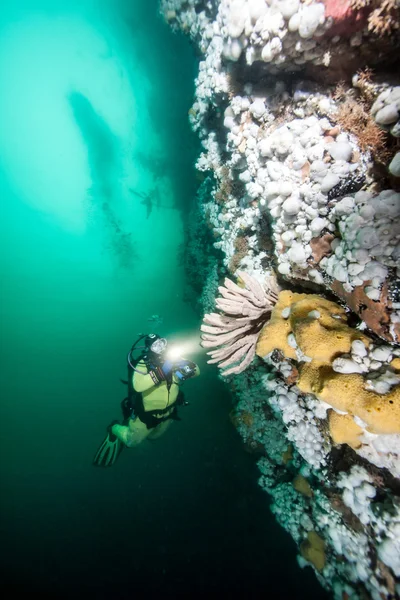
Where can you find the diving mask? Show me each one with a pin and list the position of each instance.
(155, 343)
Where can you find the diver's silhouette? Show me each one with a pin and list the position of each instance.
(148, 199)
(104, 167)
(148, 203)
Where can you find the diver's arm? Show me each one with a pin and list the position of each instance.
(182, 370)
(143, 380)
(196, 371)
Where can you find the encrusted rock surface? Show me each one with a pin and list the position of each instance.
(298, 109)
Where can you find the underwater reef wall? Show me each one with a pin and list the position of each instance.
(293, 251)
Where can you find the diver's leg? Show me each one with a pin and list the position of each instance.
(109, 450)
(159, 430)
(132, 434)
(121, 431)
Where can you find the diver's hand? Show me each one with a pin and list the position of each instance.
(161, 372)
(167, 367)
(184, 369)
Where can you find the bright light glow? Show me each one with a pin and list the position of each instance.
(184, 349)
(174, 353)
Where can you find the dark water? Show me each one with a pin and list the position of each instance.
(96, 176)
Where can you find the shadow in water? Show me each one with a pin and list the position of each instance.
(103, 165)
(151, 199)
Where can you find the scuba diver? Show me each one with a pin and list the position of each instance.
(150, 199)
(153, 398)
(147, 200)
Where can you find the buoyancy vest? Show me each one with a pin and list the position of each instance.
(152, 404)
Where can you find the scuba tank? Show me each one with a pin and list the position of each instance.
(152, 345)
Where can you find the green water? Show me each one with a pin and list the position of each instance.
(93, 121)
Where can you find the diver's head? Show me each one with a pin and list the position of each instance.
(155, 344)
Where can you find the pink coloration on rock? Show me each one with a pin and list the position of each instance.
(346, 20)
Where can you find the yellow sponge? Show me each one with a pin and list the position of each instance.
(301, 485)
(313, 550)
(321, 333)
(381, 412)
(344, 430)
(395, 364)
(319, 327)
(274, 334)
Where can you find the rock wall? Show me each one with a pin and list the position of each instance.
(298, 109)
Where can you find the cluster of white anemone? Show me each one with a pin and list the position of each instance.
(369, 241)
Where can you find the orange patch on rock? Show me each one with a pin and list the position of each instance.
(305, 171)
(376, 314)
(321, 246)
(346, 19)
